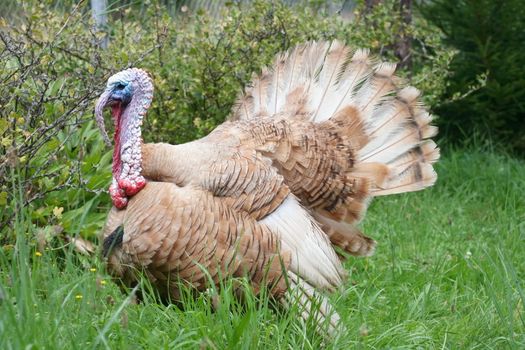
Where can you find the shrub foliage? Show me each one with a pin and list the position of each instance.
(486, 91)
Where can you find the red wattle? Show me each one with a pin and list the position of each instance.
(128, 185)
(118, 196)
(120, 203)
(116, 110)
(132, 187)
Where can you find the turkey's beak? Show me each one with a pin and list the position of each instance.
(102, 102)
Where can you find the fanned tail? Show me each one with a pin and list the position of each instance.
(365, 114)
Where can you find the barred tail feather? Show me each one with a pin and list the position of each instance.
(357, 71)
(336, 59)
(426, 152)
(347, 237)
(414, 178)
(377, 88)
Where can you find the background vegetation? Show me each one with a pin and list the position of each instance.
(465, 56)
(485, 92)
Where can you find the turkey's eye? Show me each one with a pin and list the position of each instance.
(120, 86)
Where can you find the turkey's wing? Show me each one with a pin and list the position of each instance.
(186, 234)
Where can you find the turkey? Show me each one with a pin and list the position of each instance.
(270, 192)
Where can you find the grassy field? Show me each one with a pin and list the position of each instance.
(448, 273)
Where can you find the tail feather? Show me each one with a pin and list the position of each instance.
(347, 237)
(392, 145)
(276, 100)
(261, 103)
(335, 61)
(392, 115)
(426, 152)
(355, 73)
(294, 62)
(378, 87)
(414, 178)
(316, 53)
(376, 173)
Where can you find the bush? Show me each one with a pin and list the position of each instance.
(52, 158)
(48, 147)
(486, 91)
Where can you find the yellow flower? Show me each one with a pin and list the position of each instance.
(93, 269)
(58, 212)
(103, 282)
(38, 254)
(78, 296)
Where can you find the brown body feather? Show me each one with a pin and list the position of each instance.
(180, 234)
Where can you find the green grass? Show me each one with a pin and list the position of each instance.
(448, 273)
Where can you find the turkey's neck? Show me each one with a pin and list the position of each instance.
(173, 163)
(127, 158)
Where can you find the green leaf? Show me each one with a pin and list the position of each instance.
(3, 199)
(4, 124)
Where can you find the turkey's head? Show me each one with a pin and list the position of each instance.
(129, 94)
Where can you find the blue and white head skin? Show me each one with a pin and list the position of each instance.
(129, 94)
